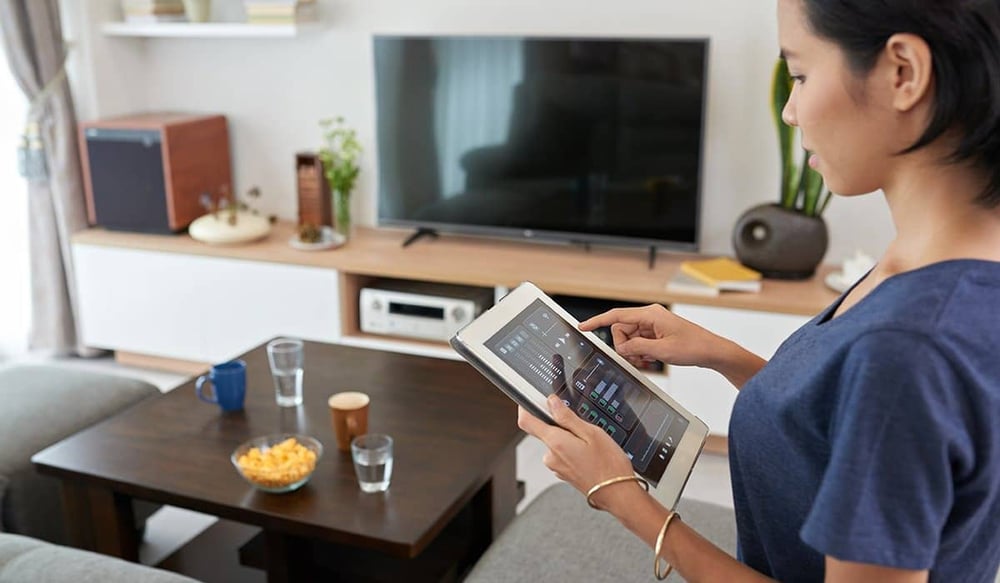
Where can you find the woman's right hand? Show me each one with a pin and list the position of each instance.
(654, 333)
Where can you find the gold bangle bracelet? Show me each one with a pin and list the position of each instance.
(597, 487)
(659, 548)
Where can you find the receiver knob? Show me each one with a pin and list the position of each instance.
(457, 314)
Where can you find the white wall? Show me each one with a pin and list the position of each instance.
(275, 90)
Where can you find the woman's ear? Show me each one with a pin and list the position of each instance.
(910, 70)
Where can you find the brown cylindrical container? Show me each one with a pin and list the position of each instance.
(349, 414)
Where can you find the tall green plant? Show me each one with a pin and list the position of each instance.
(801, 187)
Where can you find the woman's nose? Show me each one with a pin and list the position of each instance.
(788, 112)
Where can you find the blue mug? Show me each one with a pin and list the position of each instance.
(229, 385)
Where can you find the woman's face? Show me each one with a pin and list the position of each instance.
(845, 121)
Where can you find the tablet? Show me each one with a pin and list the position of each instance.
(530, 348)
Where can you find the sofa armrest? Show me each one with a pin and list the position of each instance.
(26, 559)
(559, 538)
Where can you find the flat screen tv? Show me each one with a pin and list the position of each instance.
(595, 140)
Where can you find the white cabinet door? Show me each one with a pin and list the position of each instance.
(203, 309)
(706, 393)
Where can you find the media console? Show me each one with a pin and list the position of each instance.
(171, 302)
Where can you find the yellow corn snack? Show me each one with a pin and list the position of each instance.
(279, 465)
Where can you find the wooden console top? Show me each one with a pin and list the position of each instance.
(611, 273)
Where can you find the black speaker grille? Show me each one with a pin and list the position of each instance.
(126, 172)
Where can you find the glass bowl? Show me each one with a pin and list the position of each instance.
(277, 463)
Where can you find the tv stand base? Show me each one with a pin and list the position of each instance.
(420, 234)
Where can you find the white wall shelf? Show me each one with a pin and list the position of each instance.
(200, 30)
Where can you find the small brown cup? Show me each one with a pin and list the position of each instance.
(349, 413)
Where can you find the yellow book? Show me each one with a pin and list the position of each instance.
(682, 283)
(724, 274)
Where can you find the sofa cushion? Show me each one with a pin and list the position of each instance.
(41, 406)
(559, 538)
(13, 546)
(24, 560)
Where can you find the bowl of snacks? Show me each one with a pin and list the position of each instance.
(277, 463)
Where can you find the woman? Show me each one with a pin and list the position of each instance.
(868, 448)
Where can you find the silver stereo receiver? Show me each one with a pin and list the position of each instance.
(430, 311)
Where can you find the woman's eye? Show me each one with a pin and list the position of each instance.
(799, 78)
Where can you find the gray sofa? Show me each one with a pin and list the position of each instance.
(41, 406)
(29, 560)
(559, 538)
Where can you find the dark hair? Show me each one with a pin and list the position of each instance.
(964, 38)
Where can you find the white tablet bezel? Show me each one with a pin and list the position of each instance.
(470, 341)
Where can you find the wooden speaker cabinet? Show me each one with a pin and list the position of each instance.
(315, 197)
(147, 172)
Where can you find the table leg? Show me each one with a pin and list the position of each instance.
(114, 524)
(285, 558)
(76, 505)
(503, 492)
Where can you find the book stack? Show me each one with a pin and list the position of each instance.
(280, 11)
(145, 11)
(709, 277)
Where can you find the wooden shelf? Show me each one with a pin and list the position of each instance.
(201, 30)
(611, 273)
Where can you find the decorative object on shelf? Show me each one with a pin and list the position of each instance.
(340, 165)
(153, 11)
(682, 283)
(786, 240)
(312, 238)
(853, 269)
(315, 198)
(723, 274)
(280, 11)
(198, 10)
(230, 221)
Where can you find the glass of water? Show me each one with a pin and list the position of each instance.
(372, 454)
(285, 356)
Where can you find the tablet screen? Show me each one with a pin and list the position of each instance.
(555, 357)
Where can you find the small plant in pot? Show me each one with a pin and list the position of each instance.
(340, 155)
(788, 239)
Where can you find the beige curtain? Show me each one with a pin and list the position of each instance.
(36, 51)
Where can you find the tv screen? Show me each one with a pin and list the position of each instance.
(580, 139)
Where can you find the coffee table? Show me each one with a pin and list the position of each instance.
(453, 485)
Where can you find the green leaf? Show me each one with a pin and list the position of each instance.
(811, 190)
(781, 90)
(827, 195)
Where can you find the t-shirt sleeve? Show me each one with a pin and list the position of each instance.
(895, 437)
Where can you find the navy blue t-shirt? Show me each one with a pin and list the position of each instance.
(874, 436)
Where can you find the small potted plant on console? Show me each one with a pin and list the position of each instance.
(339, 155)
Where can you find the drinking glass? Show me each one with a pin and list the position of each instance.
(372, 454)
(285, 356)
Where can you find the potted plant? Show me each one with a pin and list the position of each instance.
(229, 220)
(788, 239)
(340, 155)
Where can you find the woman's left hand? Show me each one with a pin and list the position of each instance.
(579, 453)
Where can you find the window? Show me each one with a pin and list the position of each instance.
(15, 289)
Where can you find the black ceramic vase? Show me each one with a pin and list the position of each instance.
(780, 243)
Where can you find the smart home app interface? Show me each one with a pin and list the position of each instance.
(555, 357)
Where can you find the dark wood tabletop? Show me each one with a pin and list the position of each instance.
(450, 426)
